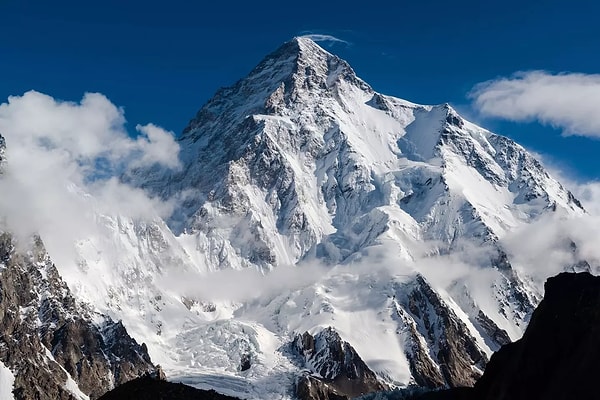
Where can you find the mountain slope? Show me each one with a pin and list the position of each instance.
(52, 346)
(307, 200)
(57, 348)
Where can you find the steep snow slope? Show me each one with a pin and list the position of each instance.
(343, 198)
(7, 380)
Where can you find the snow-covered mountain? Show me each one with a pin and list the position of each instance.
(306, 200)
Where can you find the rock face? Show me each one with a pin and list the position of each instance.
(56, 347)
(557, 358)
(454, 357)
(2, 150)
(336, 371)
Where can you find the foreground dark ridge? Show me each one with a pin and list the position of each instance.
(557, 357)
(149, 388)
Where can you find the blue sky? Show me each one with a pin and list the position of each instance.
(162, 60)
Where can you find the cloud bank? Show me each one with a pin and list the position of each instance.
(568, 101)
(63, 160)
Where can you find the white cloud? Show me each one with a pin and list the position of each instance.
(156, 146)
(318, 37)
(242, 285)
(568, 101)
(62, 163)
(543, 248)
(586, 191)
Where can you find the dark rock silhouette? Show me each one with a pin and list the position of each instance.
(149, 388)
(557, 357)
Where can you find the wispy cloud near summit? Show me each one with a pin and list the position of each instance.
(319, 37)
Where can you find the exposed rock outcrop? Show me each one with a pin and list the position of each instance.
(556, 359)
(57, 348)
(335, 370)
(454, 358)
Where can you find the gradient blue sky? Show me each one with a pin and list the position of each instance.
(162, 60)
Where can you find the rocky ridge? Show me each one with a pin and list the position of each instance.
(56, 347)
(557, 356)
(554, 360)
(334, 369)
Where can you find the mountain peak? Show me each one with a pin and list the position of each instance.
(299, 56)
(303, 122)
(300, 45)
(302, 163)
(298, 50)
(307, 45)
(297, 70)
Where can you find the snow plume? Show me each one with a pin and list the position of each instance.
(62, 164)
(567, 101)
